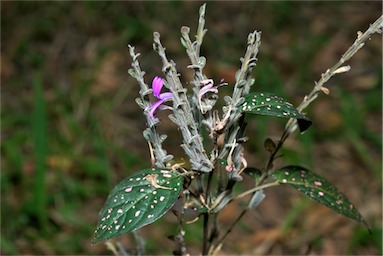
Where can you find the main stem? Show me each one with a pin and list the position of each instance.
(231, 228)
(205, 246)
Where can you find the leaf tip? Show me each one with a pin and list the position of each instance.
(303, 124)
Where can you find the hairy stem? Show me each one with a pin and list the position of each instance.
(150, 134)
(291, 125)
(182, 113)
(376, 27)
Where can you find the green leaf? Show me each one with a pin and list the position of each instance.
(137, 201)
(253, 172)
(269, 104)
(318, 189)
(270, 145)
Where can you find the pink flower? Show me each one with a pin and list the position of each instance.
(208, 86)
(157, 85)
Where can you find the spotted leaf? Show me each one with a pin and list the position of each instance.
(137, 201)
(319, 189)
(253, 172)
(272, 105)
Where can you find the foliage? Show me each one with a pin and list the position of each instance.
(137, 201)
(318, 189)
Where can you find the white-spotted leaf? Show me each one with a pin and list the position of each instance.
(253, 172)
(272, 105)
(137, 201)
(318, 189)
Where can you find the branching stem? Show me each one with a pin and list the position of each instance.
(250, 191)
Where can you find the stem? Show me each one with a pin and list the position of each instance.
(205, 245)
(357, 45)
(150, 134)
(248, 192)
(243, 211)
(140, 243)
(269, 165)
(376, 27)
(272, 156)
(208, 186)
(183, 113)
(206, 237)
(181, 245)
(230, 229)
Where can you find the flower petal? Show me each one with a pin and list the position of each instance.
(207, 89)
(165, 96)
(157, 84)
(154, 107)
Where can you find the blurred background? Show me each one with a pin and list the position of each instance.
(70, 129)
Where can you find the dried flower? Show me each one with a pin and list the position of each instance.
(157, 85)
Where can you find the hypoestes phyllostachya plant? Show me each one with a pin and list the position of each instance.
(217, 162)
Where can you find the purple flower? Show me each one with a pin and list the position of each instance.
(208, 86)
(157, 85)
